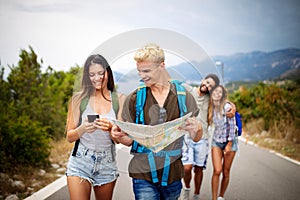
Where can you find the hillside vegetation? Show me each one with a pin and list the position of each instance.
(271, 114)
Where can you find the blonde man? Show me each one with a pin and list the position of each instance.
(161, 105)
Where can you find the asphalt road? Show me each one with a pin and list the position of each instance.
(256, 174)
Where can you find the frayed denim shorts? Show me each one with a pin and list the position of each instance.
(97, 167)
(222, 146)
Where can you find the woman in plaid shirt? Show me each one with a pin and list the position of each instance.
(224, 143)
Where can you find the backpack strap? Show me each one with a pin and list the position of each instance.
(137, 148)
(140, 102)
(139, 114)
(163, 154)
(181, 97)
(84, 102)
(115, 102)
(166, 155)
(75, 147)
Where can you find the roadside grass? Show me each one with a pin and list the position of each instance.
(287, 148)
(60, 151)
(290, 148)
(34, 179)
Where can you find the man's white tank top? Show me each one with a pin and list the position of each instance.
(99, 138)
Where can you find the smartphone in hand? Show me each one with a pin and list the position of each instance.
(92, 118)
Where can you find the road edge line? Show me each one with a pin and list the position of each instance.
(271, 151)
(47, 191)
(53, 187)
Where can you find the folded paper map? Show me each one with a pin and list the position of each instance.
(155, 137)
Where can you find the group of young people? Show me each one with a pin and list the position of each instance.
(155, 176)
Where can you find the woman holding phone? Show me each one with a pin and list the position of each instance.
(92, 163)
(224, 142)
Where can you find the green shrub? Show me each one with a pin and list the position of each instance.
(277, 103)
(24, 142)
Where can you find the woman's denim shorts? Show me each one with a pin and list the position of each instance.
(96, 167)
(222, 146)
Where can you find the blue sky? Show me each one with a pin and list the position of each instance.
(64, 32)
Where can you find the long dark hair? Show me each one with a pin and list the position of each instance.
(87, 87)
(86, 83)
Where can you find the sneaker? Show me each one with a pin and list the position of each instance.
(196, 197)
(221, 198)
(186, 194)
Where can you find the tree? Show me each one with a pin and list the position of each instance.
(24, 135)
(33, 109)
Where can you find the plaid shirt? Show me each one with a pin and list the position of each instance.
(224, 127)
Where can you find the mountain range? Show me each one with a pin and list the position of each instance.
(253, 66)
(258, 65)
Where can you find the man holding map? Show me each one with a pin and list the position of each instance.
(157, 174)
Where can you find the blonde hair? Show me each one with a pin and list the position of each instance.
(150, 52)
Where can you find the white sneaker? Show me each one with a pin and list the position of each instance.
(186, 194)
(221, 198)
(196, 197)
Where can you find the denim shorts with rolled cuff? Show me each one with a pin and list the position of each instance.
(97, 167)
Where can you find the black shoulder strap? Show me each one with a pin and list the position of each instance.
(84, 102)
(75, 147)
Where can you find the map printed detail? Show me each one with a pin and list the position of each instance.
(155, 137)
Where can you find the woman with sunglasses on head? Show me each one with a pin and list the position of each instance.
(224, 143)
(92, 163)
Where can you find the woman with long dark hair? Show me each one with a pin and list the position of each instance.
(92, 163)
